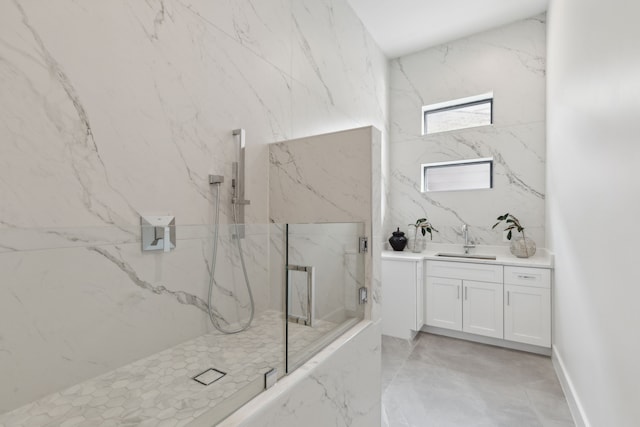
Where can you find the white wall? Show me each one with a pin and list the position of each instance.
(117, 109)
(594, 202)
(510, 61)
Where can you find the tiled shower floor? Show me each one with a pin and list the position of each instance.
(159, 390)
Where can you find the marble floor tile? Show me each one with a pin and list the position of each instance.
(396, 351)
(439, 381)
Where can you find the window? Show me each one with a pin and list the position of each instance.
(458, 114)
(459, 175)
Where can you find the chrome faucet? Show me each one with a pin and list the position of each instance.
(467, 243)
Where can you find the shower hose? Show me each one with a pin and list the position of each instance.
(214, 321)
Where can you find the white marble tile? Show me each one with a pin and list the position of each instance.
(118, 109)
(101, 138)
(510, 61)
(328, 37)
(519, 172)
(263, 27)
(334, 389)
(313, 115)
(336, 67)
(160, 386)
(83, 322)
(322, 179)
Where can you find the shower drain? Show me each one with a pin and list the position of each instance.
(209, 376)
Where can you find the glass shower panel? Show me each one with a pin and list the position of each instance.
(324, 273)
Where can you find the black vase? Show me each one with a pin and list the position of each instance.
(398, 241)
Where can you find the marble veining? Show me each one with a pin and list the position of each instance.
(340, 390)
(159, 388)
(513, 177)
(121, 109)
(180, 296)
(289, 168)
(308, 177)
(308, 53)
(510, 62)
(124, 307)
(82, 148)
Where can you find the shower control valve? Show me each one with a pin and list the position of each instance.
(158, 233)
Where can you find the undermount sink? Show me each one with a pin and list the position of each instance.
(472, 256)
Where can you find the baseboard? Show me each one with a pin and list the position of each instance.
(577, 411)
(544, 351)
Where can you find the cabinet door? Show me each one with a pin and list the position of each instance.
(399, 299)
(527, 315)
(444, 307)
(482, 309)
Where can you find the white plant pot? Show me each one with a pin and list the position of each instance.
(523, 247)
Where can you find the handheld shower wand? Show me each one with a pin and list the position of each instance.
(237, 203)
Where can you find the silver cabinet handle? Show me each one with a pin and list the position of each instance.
(458, 288)
(524, 276)
(466, 289)
(508, 298)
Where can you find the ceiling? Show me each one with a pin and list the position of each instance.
(405, 26)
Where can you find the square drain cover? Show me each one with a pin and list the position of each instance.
(209, 376)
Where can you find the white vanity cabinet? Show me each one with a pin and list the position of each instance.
(402, 297)
(465, 297)
(504, 302)
(527, 310)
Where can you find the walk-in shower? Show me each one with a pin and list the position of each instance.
(100, 326)
(237, 205)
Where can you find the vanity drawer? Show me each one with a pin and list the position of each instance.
(465, 271)
(537, 277)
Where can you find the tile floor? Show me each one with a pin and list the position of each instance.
(440, 382)
(158, 390)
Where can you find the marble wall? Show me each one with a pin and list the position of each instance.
(331, 178)
(335, 388)
(510, 61)
(112, 110)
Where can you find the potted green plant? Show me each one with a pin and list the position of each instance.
(522, 247)
(425, 227)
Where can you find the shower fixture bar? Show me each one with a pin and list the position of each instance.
(237, 181)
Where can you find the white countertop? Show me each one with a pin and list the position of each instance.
(542, 259)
